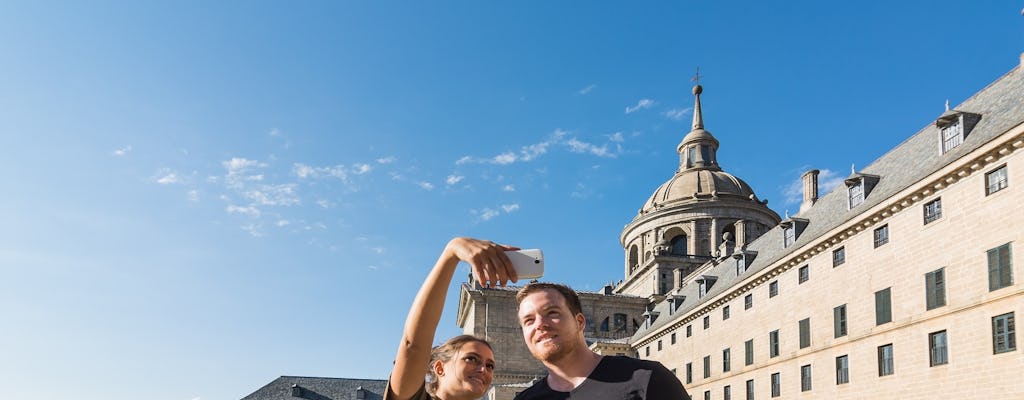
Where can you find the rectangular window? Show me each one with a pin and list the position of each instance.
(689, 330)
(776, 385)
(647, 351)
(881, 235)
(773, 289)
(842, 370)
(673, 338)
(935, 288)
(773, 343)
(789, 235)
(1004, 337)
(805, 273)
(839, 320)
(707, 367)
(689, 372)
(726, 360)
(1000, 272)
(937, 353)
(856, 194)
(883, 306)
(741, 265)
(952, 136)
(707, 395)
(748, 353)
(659, 344)
(727, 392)
(932, 210)
(995, 180)
(805, 378)
(885, 366)
(838, 257)
(725, 313)
(750, 389)
(707, 322)
(805, 332)
(748, 301)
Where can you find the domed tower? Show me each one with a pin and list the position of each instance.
(701, 213)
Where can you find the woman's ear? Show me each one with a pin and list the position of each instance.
(438, 368)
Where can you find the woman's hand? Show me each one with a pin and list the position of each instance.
(490, 265)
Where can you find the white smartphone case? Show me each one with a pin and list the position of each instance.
(529, 264)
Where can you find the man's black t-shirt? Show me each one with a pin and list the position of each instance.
(616, 378)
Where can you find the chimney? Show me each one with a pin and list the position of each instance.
(810, 179)
(296, 390)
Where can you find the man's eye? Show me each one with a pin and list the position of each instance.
(490, 367)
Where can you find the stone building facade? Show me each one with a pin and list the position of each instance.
(900, 283)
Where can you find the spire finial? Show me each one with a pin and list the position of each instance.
(853, 170)
(947, 104)
(698, 119)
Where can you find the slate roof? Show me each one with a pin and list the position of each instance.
(1001, 105)
(319, 389)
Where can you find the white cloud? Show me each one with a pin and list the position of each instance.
(488, 213)
(677, 113)
(616, 137)
(282, 223)
(504, 158)
(508, 188)
(578, 146)
(453, 179)
(275, 132)
(640, 105)
(510, 207)
(192, 196)
(426, 185)
(239, 165)
(274, 195)
(168, 178)
(323, 203)
(827, 180)
(463, 160)
(122, 151)
(378, 249)
(250, 211)
(303, 171)
(253, 229)
(360, 169)
(587, 89)
(386, 160)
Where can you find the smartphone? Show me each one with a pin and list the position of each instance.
(529, 264)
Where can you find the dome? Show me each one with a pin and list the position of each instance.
(691, 185)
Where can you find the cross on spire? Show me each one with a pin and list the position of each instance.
(696, 77)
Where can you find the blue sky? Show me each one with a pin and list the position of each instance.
(199, 197)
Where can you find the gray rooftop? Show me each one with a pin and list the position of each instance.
(1001, 106)
(312, 388)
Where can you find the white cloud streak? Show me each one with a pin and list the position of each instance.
(640, 105)
(122, 151)
(677, 113)
(587, 90)
(453, 179)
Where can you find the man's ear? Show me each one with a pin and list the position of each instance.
(581, 320)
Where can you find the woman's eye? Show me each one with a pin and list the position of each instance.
(490, 367)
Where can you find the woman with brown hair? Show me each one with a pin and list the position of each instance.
(462, 367)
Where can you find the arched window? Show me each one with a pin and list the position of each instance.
(678, 245)
(634, 258)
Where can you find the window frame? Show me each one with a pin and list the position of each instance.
(855, 194)
(773, 288)
(773, 344)
(803, 274)
(932, 210)
(938, 350)
(886, 360)
(805, 333)
(1000, 267)
(1000, 184)
(748, 301)
(843, 369)
(806, 380)
(776, 382)
(881, 236)
(1008, 333)
(748, 352)
(839, 321)
(883, 306)
(839, 256)
(935, 289)
(726, 360)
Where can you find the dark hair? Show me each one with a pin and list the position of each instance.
(444, 353)
(572, 300)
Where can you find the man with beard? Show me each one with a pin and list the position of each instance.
(552, 320)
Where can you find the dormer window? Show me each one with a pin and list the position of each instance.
(856, 194)
(743, 259)
(791, 230)
(858, 187)
(952, 136)
(704, 284)
(954, 127)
